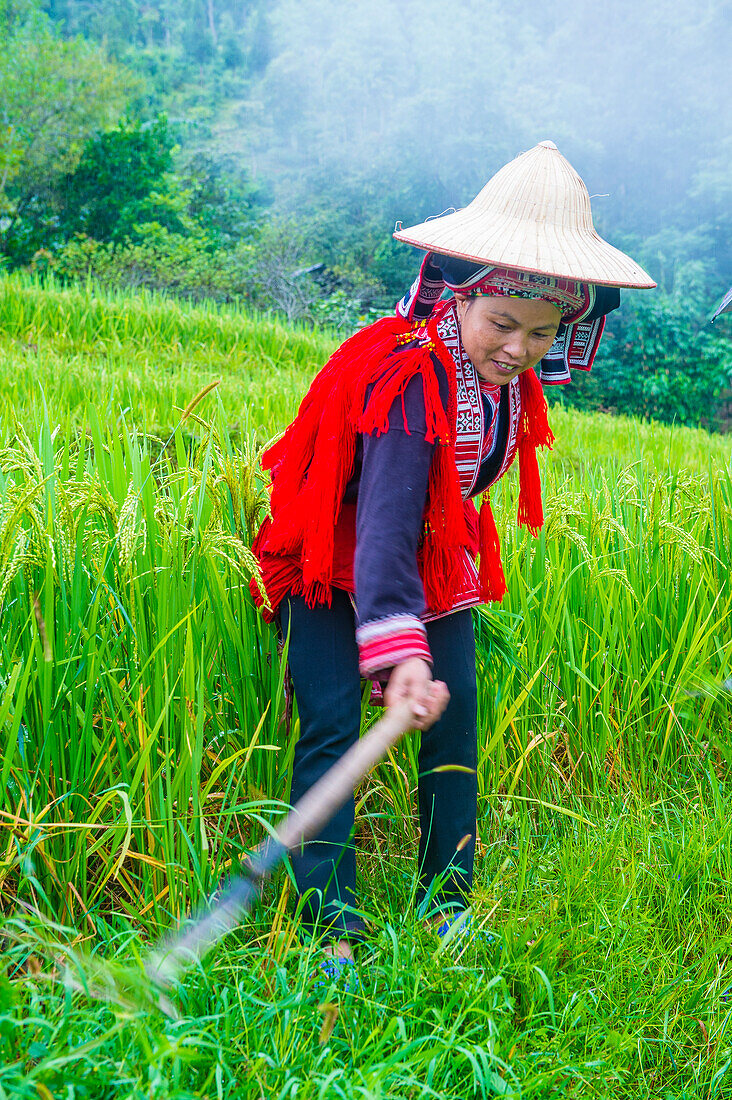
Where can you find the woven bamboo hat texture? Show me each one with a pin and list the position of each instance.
(535, 215)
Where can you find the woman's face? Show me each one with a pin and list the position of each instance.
(506, 336)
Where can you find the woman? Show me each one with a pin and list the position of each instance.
(369, 558)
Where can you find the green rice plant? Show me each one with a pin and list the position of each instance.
(138, 357)
(142, 692)
(586, 441)
(143, 747)
(624, 604)
(602, 970)
(133, 658)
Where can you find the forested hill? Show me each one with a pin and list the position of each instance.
(263, 149)
(422, 101)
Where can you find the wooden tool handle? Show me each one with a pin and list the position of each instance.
(305, 820)
(325, 798)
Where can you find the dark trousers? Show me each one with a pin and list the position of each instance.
(323, 661)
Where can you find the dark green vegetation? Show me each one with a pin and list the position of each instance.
(261, 152)
(142, 749)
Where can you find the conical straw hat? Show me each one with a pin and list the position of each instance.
(535, 215)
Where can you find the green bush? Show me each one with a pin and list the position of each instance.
(158, 260)
(121, 182)
(270, 270)
(660, 359)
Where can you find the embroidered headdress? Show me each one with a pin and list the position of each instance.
(583, 305)
(571, 297)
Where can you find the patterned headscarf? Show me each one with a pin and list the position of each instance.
(583, 306)
(571, 298)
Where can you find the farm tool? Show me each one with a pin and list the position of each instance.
(304, 821)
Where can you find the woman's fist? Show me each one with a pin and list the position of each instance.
(412, 682)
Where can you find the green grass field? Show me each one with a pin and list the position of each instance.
(143, 752)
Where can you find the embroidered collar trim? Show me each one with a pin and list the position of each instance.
(471, 427)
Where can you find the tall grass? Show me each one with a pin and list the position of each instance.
(623, 631)
(143, 746)
(139, 357)
(142, 694)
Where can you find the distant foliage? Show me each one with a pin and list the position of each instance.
(269, 272)
(158, 260)
(54, 95)
(228, 35)
(120, 183)
(221, 199)
(302, 133)
(661, 359)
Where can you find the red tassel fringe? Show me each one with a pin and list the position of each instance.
(534, 432)
(312, 462)
(490, 574)
(446, 532)
(353, 393)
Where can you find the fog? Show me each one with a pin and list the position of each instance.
(413, 105)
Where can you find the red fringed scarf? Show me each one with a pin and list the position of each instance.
(313, 461)
(534, 431)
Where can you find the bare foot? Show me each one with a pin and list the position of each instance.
(339, 949)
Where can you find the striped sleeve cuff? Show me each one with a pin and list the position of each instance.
(384, 643)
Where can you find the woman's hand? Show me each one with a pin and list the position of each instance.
(412, 682)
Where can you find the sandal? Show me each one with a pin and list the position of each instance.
(464, 929)
(338, 970)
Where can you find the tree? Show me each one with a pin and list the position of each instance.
(120, 183)
(14, 13)
(660, 358)
(54, 95)
(221, 199)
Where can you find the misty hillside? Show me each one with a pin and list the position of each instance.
(407, 108)
(261, 152)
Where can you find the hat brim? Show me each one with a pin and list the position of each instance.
(550, 250)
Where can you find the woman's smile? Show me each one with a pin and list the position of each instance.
(507, 368)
